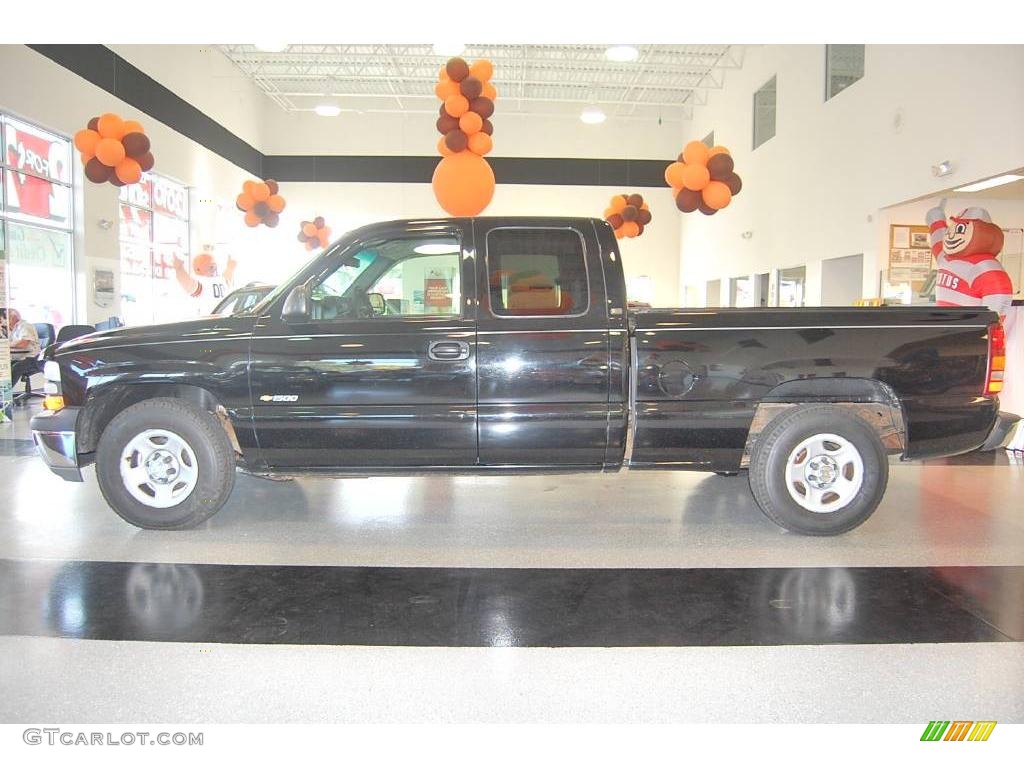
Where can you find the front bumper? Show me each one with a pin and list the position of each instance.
(1001, 430)
(54, 436)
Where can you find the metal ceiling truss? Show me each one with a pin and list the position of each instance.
(665, 80)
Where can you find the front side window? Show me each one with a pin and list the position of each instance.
(532, 271)
(405, 277)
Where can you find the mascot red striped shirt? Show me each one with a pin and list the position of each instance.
(965, 251)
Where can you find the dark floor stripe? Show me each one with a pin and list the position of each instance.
(518, 607)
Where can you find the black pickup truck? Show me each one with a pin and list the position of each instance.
(505, 345)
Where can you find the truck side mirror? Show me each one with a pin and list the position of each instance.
(296, 306)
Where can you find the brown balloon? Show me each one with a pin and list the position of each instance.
(272, 186)
(446, 124)
(688, 201)
(135, 144)
(97, 172)
(456, 140)
(94, 124)
(733, 182)
(635, 200)
(302, 237)
(704, 209)
(272, 219)
(261, 209)
(146, 161)
(318, 222)
(616, 220)
(457, 69)
(643, 217)
(482, 106)
(720, 166)
(114, 180)
(629, 213)
(471, 87)
(679, 158)
(488, 127)
(641, 229)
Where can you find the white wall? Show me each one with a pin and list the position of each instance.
(815, 190)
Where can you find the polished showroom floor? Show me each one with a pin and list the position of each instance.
(630, 597)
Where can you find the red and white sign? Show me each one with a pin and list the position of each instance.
(158, 194)
(35, 160)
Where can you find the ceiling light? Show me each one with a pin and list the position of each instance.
(593, 116)
(270, 47)
(449, 49)
(436, 249)
(1007, 178)
(327, 110)
(622, 53)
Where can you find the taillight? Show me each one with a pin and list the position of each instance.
(996, 359)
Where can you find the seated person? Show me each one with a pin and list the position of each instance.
(24, 345)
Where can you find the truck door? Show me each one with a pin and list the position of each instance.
(543, 351)
(382, 373)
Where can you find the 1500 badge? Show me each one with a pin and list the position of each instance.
(279, 398)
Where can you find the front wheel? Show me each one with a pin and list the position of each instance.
(165, 464)
(818, 470)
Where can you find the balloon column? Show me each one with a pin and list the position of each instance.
(703, 179)
(628, 215)
(114, 150)
(314, 233)
(463, 181)
(260, 202)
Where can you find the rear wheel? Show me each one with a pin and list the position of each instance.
(165, 464)
(818, 470)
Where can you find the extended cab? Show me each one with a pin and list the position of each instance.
(499, 345)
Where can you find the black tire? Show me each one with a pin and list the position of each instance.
(204, 436)
(769, 470)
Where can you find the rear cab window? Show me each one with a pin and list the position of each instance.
(537, 272)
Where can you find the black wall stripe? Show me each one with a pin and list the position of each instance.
(105, 69)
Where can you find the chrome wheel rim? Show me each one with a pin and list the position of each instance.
(159, 468)
(824, 473)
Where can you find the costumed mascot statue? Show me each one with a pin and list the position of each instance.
(965, 251)
(210, 284)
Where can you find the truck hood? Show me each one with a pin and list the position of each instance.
(205, 328)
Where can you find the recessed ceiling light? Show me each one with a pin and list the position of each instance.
(622, 53)
(270, 47)
(327, 110)
(593, 116)
(449, 49)
(998, 181)
(436, 249)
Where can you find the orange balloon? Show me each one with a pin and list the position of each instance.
(645, 207)
(275, 203)
(110, 151)
(717, 150)
(463, 184)
(471, 123)
(128, 170)
(456, 105)
(110, 126)
(445, 89)
(252, 219)
(245, 201)
(86, 156)
(696, 177)
(248, 187)
(133, 126)
(322, 238)
(85, 141)
(695, 153)
(443, 74)
(674, 174)
(482, 70)
(716, 195)
(490, 91)
(480, 143)
(617, 204)
(309, 229)
(631, 229)
(442, 148)
(260, 192)
(326, 232)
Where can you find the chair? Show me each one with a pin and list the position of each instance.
(69, 332)
(109, 324)
(32, 366)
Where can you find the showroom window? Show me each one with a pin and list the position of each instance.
(535, 271)
(844, 66)
(764, 113)
(709, 140)
(792, 282)
(36, 222)
(153, 233)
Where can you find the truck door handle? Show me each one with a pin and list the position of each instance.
(448, 350)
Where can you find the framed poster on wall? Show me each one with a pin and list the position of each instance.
(910, 264)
